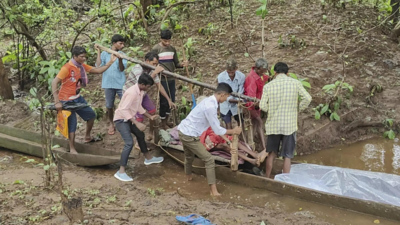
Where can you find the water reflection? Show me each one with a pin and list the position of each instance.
(378, 154)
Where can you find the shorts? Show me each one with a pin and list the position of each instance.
(86, 114)
(110, 96)
(228, 117)
(288, 144)
(148, 105)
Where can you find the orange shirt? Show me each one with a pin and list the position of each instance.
(70, 75)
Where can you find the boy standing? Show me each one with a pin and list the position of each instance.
(169, 60)
(72, 76)
(280, 99)
(199, 120)
(126, 123)
(114, 78)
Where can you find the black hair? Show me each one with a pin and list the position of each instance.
(166, 34)
(77, 50)
(117, 38)
(224, 88)
(281, 67)
(146, 79)
(150, 56)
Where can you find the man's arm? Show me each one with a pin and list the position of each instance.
(305, 97)
(264, 99)
(105, 67)
(156, 71)
(98, 59)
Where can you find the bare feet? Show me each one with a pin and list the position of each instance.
(213, 190)
(262, 155)
(189, 177)
(255, 162)
(149, 137)
(73, 151)
(111, 130)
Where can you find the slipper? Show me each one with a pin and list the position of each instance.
(111, 132)
(95, 139)
(193, 219)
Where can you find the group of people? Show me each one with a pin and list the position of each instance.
(201, 130)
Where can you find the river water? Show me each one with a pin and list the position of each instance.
(375, 155)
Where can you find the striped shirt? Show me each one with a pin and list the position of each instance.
(134, 75)
(280, 99)
(167, 58)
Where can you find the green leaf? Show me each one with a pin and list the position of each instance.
(391, 134)
(55, 146)
(389, 122)
(69, 54)
(33, 91)
(272, 70)
(246, 54)
(293, 76)
(19, 182)
(324, 109)
(328, 87)
(46, 167)
(336, 116)
(30, 160)
(317, 115)
(336, 106)
(184, 102)
(306, 84)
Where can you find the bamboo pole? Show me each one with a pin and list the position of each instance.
(234, 153)
(177, 76)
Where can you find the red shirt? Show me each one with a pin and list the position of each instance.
(209, 139)
(253, 86)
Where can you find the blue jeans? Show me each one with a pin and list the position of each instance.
(110, 96)
(86, 114)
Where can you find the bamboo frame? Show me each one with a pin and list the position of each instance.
(177, 76)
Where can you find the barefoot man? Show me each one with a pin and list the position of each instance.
(126, 123)
(71, 76)
(190, 129)
(280, 99)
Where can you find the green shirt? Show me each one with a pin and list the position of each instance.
(280, 99)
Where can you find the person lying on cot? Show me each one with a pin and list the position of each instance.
(212, 141)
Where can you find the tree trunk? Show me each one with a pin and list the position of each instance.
(395, 33)
(5, 86)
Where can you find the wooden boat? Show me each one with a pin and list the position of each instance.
(226, 174)
(28, 142)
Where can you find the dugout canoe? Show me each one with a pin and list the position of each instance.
(226, 174)
(29, 143)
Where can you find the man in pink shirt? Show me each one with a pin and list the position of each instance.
(126, 123)
(253, 87)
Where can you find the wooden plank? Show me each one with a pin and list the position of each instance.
(234, 153)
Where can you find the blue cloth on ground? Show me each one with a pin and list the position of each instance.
(194, 219)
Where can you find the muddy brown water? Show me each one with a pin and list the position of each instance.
(378, 155)
(169, 177)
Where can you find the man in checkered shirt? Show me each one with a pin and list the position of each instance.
(280, 99)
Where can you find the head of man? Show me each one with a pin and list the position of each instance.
(79, 54)
(281, 67)
(145, 82)
(117, 42)
(223, 91)
(166, 36)
(151, 58)
(261, 66)
(231, 67)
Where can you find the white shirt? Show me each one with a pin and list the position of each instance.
(237, 85)
(201, 118)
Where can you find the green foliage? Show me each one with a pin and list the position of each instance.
(190, 52)
(184, 109)
(302, 80)
(390, 134)
(208, 30)
(262, 11)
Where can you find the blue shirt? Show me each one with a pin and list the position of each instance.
(112, 77)
(237, 85)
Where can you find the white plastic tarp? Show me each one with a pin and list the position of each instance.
(378, 187)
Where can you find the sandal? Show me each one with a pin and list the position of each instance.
(95, 139)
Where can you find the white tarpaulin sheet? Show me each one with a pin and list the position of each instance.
(378, 187)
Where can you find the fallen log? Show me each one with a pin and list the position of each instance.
(177, 76)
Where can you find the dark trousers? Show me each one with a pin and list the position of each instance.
(170, 88)
(126, 129)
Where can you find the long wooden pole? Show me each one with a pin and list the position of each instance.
(177, 76)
